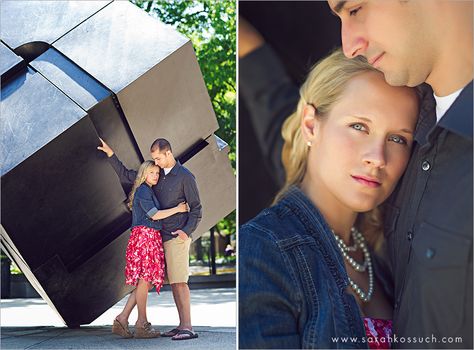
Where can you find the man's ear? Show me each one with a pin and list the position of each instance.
(309, 124)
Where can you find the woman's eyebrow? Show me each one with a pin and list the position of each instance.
(407, 131)
(362, 118)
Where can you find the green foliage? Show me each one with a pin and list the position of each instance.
(211, 26)
(15, 270)
(227, 225)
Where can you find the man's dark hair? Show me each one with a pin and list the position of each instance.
(162, 144)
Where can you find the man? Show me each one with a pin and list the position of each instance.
(428, 225)
(175, 185)
(428, 221)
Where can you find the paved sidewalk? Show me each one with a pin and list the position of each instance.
(31, 324)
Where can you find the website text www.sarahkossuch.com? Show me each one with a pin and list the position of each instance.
(394, 339)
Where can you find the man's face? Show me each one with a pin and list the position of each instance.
(393, 35)
(161, 158)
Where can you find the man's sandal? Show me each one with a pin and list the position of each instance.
(185, 334)
(171, 333)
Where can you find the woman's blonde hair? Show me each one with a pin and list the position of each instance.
(322, 89)
(141, 177)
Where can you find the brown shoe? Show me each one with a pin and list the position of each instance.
(146, 331)
(122, 330)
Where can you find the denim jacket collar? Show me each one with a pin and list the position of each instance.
(316, 226)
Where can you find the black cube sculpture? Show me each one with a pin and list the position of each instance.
(71, 72)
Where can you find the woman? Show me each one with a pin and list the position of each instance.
(305, 272)
(145, 263)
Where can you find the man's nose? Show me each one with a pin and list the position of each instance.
(354, 42)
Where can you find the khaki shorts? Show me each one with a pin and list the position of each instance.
(177, 260)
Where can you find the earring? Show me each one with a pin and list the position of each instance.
(309, 144)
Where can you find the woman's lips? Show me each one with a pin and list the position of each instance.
(372, 183)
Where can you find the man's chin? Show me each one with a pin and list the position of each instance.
(399, 79)
(394, 79)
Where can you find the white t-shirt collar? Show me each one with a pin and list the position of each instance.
(443, 103)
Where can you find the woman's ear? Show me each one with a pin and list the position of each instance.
(309, 124)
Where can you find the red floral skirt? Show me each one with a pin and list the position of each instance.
(145, 257)
(378, 333)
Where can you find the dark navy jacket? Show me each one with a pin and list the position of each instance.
(429, 231)
(292, 281)
(145, 205)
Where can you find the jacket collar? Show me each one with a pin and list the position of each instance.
(314, 223)
(175, 169)
(427, 115)
(458, 118)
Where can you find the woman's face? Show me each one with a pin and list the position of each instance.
(361, 148)
(152, 175)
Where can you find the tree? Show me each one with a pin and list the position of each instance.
(211, 26)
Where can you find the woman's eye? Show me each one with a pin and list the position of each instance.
(358, 126)
(354, 11)
(398, 139)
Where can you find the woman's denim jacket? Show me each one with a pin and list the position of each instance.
(292, 281)
(145, 205)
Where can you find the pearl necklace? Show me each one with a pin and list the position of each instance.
(359, 242)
